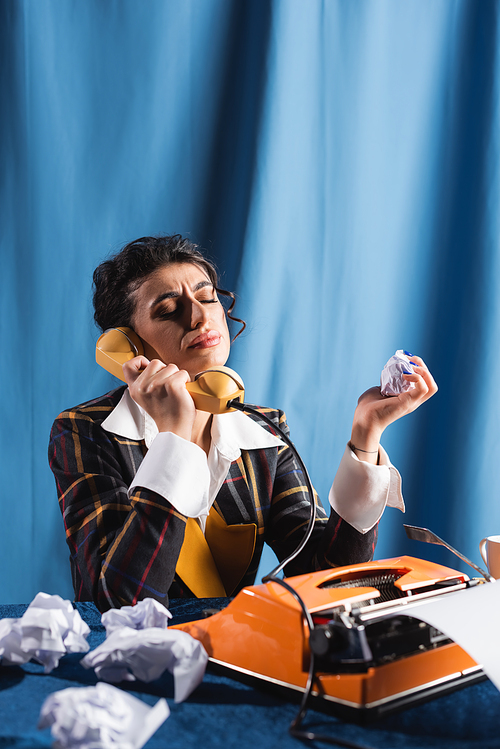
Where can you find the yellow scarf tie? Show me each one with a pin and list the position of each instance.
(213, 564)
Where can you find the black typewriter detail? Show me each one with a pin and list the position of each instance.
(344, 643)
(382, 581)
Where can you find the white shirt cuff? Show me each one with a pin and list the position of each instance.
(178, 471)
(361, 491)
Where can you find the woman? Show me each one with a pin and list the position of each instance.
(160, 499)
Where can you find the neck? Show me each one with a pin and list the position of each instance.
(201, 430)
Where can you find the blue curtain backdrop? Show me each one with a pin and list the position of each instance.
(340, 161)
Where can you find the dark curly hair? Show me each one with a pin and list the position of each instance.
(116, 279)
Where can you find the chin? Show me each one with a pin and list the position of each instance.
(206, 361)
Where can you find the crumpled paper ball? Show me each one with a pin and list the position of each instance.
(129, 654)
(49, 628)
(391, 378)
(100, 717)
(11, 651)
(145, 614)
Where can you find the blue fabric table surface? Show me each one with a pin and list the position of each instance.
(224, 713)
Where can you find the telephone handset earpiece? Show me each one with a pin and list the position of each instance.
(211, 390)
(115, 347)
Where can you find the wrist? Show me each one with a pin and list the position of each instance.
(360, 449)
(365, 443)
(181, 430)
(366, 440)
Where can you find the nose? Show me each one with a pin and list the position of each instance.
(199, 314)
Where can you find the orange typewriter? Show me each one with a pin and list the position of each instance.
(370, 655)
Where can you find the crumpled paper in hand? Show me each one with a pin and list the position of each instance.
(391, 379)
(129, 654)
(49, 628)
(100, 717)
(146, 613)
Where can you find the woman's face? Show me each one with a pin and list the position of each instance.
(180, 319)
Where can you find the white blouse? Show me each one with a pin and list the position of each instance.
(190, 480)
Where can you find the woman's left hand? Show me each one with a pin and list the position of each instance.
(375, 411)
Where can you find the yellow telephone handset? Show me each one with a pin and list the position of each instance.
(115, 347)
(211, 389)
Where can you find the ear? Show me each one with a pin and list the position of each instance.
(117, 346)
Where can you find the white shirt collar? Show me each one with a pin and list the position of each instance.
(230, 432)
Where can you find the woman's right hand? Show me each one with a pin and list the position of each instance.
(161, 391)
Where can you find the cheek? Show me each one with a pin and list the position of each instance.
(222, 317)
(168, 346)
(150, 352)
(158, 344)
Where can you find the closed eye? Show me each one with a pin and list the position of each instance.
(207, 296)
(168, 313)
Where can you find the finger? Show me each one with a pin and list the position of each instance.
(174, 389)
(421, 387)
(424, 371)
(177, 381)
(140, 368)
(133, 369)
(155, 376)
(422, 390)
(418, 361)
(156, 366)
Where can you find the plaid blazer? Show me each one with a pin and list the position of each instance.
(123, 549)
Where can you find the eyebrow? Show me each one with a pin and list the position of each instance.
(175, 294)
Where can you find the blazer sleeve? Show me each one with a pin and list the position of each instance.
(334, 542)
(122, 548)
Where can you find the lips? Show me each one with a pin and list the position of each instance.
(206, 340)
